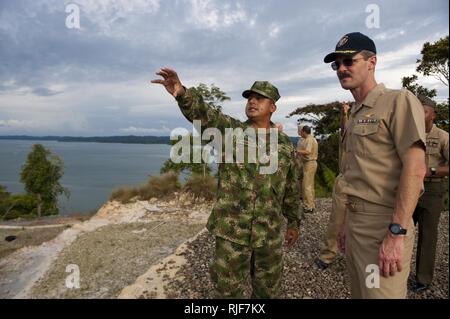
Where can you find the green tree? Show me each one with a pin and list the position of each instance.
(4, 194)
(191, 168)
(41, 174)
(434, 60)
(212, 96)
(410, 83)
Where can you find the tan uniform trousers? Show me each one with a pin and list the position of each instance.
(367, 226)
(329, 247)
(308, 193)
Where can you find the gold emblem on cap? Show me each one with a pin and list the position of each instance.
(342, 41)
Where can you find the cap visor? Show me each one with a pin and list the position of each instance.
(329, 57)
(247, 93)
(332, 56)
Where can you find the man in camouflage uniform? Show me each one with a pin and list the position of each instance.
(248, 215)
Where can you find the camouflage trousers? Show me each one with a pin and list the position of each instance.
(234, 263)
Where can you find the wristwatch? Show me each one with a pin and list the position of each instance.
(433, 171)
(397, 229)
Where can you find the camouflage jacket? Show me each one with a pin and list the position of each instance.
(250, 206)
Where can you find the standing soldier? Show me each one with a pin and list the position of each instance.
(431, 203)
(248, 214)
(329, 247)
(308, 151)
(384, 167)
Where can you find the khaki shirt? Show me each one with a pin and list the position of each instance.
(308, 144)
(437, 147)
(378, 134)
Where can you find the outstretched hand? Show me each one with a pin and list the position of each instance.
(170, 81)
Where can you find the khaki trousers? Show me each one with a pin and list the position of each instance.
(329, 247)
(367, 226)
(309, 172)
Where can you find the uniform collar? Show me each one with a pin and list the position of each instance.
(434, 132)
(371, 97)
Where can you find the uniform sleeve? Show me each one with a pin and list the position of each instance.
(292, 210)
(193, 108)
(308, 145)
(407, 124)
(299, 144)
(445, 146)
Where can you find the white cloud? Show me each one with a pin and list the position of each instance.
(210, 14)
(389, 35)
(143, 130)
(274, 29)
(405, 55)
(106, 13)
(17, 124)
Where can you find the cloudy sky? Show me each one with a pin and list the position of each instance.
(94, 80)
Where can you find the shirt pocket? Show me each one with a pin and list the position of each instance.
(433, 148)
(365, 138)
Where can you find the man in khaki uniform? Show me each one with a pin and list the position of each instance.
(308, 152)
(383, 170)
(431, 203)
(329, 248)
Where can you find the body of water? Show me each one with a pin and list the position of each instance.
(91, 170)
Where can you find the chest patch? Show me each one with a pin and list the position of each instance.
(367, 121)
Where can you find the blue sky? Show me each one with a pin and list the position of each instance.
(94, 80)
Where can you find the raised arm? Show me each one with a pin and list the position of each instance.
(170, 81)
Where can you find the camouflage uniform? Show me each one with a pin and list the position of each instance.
(248, 214)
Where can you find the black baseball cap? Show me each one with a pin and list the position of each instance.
(350, 44)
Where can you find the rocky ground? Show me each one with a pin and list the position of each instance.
(301, 278)
(134, 251)
(110, 250)
(112, 257)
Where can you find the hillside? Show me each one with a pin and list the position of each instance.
(160, 249)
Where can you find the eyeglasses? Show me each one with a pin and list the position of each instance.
(347, 62)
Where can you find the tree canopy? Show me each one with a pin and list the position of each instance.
(41, 176)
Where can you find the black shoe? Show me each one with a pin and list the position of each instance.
(308, 211)
(321, 264)
(419, 287)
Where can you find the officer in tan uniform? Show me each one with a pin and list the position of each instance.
(308, 152)
(384, 167)
(329, 247)
(431, 203)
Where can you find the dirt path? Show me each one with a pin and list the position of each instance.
(111, 258)
(119, 238)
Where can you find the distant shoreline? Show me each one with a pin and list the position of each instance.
(128, 139)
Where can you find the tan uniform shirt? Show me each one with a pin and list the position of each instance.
(308, 144)
(437, 147)
(378, 134)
